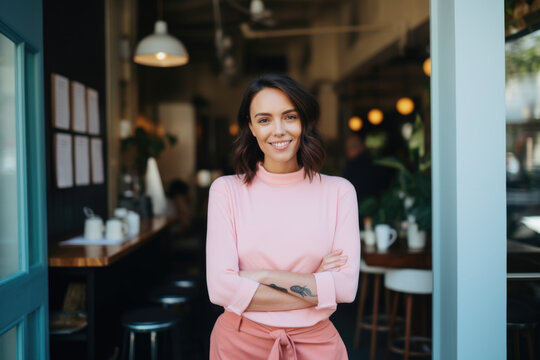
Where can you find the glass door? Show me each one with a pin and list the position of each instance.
(23, 258)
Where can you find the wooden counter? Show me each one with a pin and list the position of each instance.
(116, 278)
(398, 256)
(104, 255)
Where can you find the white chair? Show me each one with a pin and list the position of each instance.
(408, 282)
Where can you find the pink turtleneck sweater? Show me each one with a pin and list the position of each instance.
(281, 222)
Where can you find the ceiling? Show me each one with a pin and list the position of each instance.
(193, 21)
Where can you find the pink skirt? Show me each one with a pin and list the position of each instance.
(237, 338)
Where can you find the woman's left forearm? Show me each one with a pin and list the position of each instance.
(303, 286)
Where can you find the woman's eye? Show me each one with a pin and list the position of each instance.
(291, 117)
(263, 120)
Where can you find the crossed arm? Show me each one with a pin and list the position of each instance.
(284, 290)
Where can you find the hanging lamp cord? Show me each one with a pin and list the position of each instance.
(160, 9)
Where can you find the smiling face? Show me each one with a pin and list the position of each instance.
(275, 122)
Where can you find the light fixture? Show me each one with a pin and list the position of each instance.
(256, 8)
(427, 66)
(355, 123)
(405, 106)
(160, 49)
(375, 116)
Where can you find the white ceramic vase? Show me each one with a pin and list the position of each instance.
(416, 239)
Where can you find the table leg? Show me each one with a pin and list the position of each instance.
(91, 314)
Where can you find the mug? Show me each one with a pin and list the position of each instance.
(133, 223)
(93, 228)
(115, 229)
(385, 236)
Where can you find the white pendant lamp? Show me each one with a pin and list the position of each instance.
(161, 49)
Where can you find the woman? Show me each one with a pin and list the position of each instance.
(283, 243)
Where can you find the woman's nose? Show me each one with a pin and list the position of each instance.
(278, 127)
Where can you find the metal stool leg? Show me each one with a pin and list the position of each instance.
(360, 315)
(408, 327)
(391, 326)
(153, 344)
(175, 342)
(131, 345)
(516, 344)
(530, 343)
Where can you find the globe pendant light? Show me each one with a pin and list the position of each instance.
(405, 106)
(375, 116)
(355, 123)
(161, 49)
(426, 66)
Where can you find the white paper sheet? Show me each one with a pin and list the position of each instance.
(60, 101)
(82, 160)
(97, 161)
(79, 240)
(92, 105)
(64, 160)
(78, 107)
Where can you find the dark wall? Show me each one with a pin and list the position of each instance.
(74, 46)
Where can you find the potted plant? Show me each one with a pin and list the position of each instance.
(410, 195)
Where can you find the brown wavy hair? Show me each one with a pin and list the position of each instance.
(311, 153)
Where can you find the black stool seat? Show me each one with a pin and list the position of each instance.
(186, 281)
(151, 322)
(521, 314)
(150, 319)
(170, 295)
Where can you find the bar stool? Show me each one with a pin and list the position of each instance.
(375, 324)
(408, 282)
(170, 296)
(521, 317)
(152, 321)
(181, 295)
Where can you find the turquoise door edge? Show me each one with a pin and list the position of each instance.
(24, 295)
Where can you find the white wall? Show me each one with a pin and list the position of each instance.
(178, 161)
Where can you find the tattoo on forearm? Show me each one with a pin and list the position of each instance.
(278, 288)
(302, 290)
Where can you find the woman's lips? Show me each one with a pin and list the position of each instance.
(281, 145)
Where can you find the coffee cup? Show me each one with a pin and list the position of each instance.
(385, 236)
(93, 228)
(133, 223)
(115, 229)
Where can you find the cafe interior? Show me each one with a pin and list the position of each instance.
(140, 107)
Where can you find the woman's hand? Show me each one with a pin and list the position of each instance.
(332, 261)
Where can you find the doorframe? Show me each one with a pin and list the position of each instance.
(24, 294)
(469, 180)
